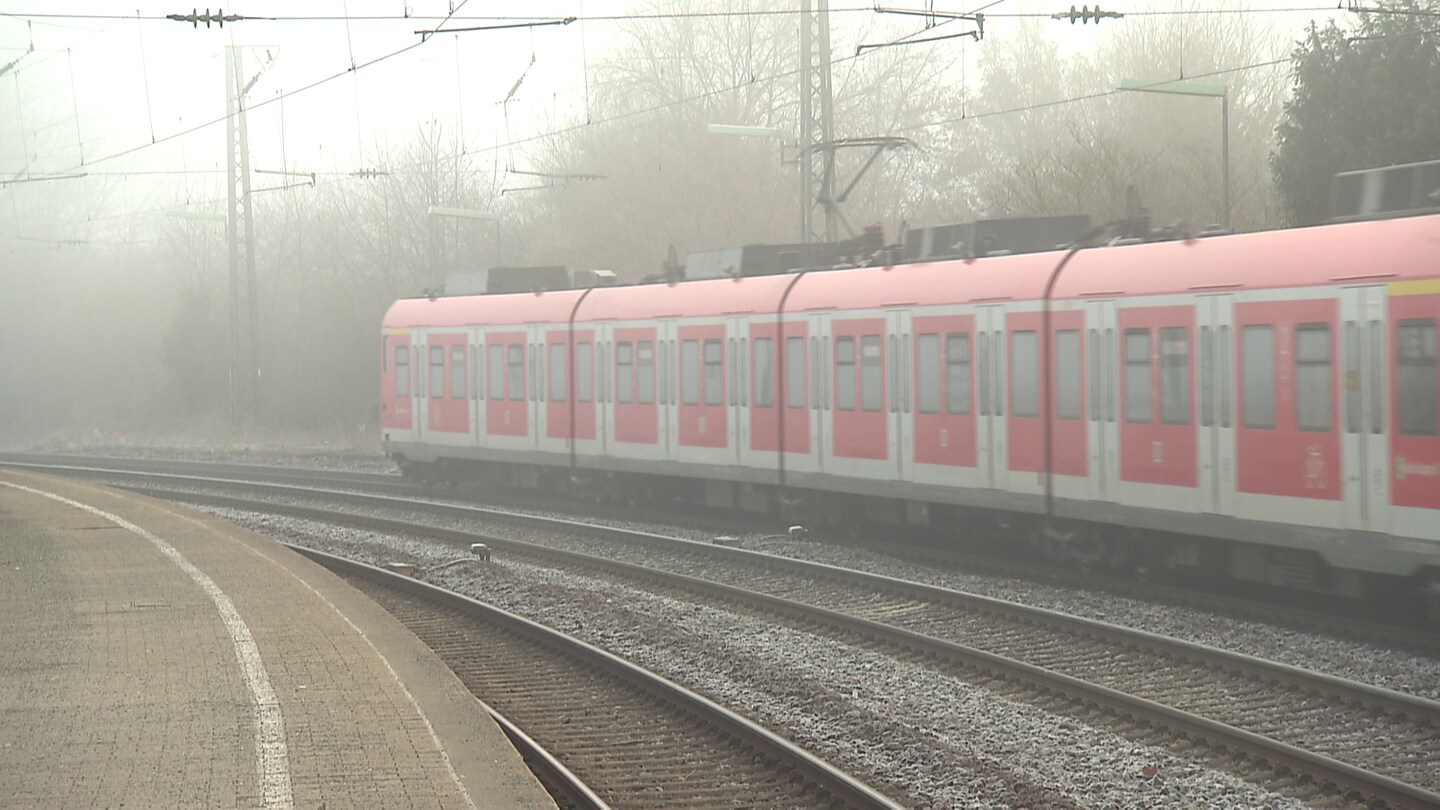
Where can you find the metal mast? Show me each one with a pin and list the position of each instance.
(240, 227)
(817, 160)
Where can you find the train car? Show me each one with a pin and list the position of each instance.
(1264, 404)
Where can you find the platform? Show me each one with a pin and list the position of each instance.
(155, 656)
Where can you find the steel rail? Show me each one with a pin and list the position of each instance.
(841, 786)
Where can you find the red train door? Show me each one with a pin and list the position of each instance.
(1365, 449)
(1414, 317)
(860, 415)
(634, 357)
(506, 406)
(702, 418)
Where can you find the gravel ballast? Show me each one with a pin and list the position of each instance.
(930, 739)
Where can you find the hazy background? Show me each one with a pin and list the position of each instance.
(587, 140)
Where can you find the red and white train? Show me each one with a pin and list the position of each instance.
(1261, 404)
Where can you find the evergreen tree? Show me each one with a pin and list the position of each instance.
(1359, 101)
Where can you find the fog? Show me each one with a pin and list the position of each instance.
(587, 141)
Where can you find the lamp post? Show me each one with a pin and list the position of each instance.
(1219, 91)
(467, 213)
(742, 131)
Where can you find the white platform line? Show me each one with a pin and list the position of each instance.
(271, 756)
(415, 704)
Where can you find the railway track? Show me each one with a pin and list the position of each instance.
(636, 738)
(1358, 741)
(1317, 617)
(1362, 743)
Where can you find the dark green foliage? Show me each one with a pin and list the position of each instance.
(1359, 100)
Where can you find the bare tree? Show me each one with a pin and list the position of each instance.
(667, 181)
(1081, 157)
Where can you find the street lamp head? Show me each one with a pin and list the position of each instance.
(1178, 88)
(738, 130)
(462, 213)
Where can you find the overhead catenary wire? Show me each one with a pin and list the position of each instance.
(302, 89)
(145, 72)
(511, 142)
(682, 15)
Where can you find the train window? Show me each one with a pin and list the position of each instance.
(845, 373)
(457, 372)
(907, 381)
(497, 371)
(437, 371)
(1416, 377)
(1377, 377)
(689, 372)
(927, 373)
(957, 373)
(1207, 381)
(1096, 414)
(645, 372)
(1110, 360)
(795, 372)
(1313, 387)
(984, 356)
(537, 371)
(744, 373)
(624, 371)
(997, 370)
(894, 375)
(584, 372)
(1138, 374)
(1258, 366)
(670, 374)
(477, 389)
(815, 372)
(1068, 359)
(734, 369)
(714, 373)
(1024, 373)
(402, 371)
(872, 393)
(1175, 375)
(517, 372)
(764, 372)
(824, 389)
(1226, 375)
(559, 369)
(1353, 421)
(603, 369)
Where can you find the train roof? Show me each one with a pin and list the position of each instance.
(1375, 251)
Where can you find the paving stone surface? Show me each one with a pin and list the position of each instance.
(124, 679)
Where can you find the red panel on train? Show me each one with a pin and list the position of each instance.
(506, 406)
(770, 393)
(702, 410)
(945, 420)
(1415, 405)
(448, 394)
(860, 417)
(1157, 395)
(636, 416)
(1287, 433)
